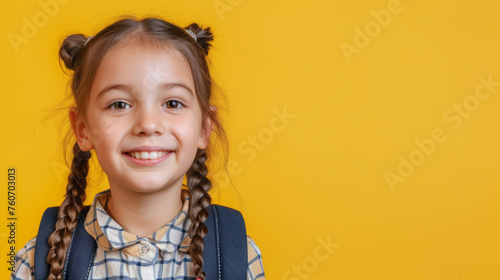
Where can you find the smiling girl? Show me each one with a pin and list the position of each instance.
(142, 92)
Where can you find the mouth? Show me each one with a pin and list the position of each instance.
(148, 154)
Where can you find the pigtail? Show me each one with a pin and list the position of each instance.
(69, 211)
(71, 49)
(199, 185)
(203, 36)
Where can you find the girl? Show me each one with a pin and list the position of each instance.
(142, 90)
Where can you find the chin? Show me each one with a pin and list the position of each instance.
(151, 187)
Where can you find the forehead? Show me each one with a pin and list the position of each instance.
(141, 67)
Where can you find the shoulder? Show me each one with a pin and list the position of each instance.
(255, 266)
(25, 262)
(224, 209)
(232, 217)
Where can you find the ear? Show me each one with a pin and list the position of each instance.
(81, 131)
(206, 130)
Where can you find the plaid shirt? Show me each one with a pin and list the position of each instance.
(163, 255)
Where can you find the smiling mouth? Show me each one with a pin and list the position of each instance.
(148, 155)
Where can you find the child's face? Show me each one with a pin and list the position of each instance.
(143, 101)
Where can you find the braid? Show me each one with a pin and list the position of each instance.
(199, 185)
(69, 210)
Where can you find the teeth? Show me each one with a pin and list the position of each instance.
(148, 155)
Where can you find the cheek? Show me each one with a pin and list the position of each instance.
(107, 126)
(103, 131)
(188, 131)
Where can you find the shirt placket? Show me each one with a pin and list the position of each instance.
(145, 255)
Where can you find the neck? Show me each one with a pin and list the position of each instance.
(144, 213)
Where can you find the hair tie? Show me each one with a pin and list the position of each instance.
(88, 39)
(191, 33)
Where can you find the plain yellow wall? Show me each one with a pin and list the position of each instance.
(365, 135)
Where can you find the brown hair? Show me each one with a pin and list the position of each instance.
(83, 55)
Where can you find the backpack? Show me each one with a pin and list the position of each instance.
(225, 253)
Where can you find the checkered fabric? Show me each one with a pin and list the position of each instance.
(163, 255)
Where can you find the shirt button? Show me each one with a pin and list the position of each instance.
(143, 249)
(170, 247)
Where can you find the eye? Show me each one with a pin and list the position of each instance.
(174, 104)
(118, 105)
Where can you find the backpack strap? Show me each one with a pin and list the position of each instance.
(225, 253)
(225, 250)
(81, 249)
(47, 226)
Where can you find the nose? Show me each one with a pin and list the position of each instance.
(148, 121)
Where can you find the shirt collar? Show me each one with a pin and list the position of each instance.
(109, 235)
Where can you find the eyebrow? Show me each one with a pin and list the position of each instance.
(127, 88)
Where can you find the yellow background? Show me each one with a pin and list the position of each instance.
(320, 175)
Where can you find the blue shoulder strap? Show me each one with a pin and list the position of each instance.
(81, 249)
(47, 226)
(225, 251)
